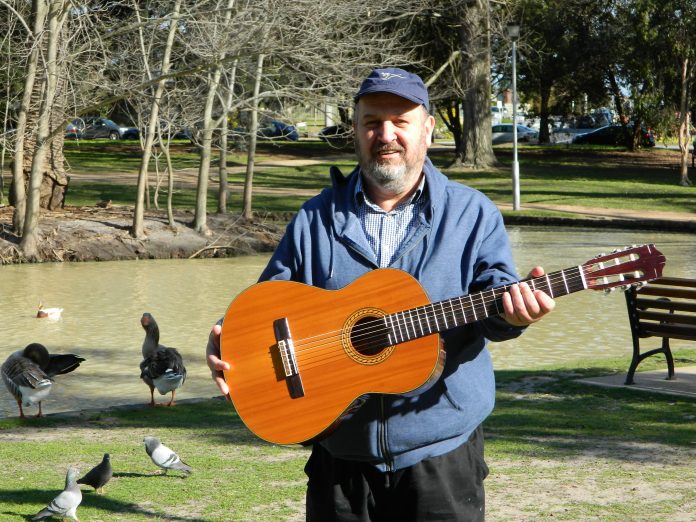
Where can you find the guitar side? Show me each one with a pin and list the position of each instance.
(333, 369)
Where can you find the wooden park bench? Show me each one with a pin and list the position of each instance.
(666, 308)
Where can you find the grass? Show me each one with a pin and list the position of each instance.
(557, 449)
(600, 177)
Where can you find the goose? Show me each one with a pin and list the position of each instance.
(162, 367)
(50, 313)
(28, 374)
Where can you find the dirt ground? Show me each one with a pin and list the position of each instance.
(102, 234)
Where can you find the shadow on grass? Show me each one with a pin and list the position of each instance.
(102, 502)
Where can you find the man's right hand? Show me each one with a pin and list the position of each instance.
(216, 364)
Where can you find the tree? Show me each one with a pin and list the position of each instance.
(153, 127)
(43, 95)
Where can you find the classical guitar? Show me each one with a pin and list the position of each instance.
(301, 356)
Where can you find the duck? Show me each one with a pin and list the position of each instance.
(162, 367)
(28, 374)
(50, 313)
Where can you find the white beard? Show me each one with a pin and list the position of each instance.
(393, 179)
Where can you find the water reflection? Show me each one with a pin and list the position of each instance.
(103, 303)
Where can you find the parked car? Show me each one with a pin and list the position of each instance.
(340, 135)
(97, 127)
(503, 133)
(278, 129)
(614, 135)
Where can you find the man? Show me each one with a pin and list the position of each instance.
(405, 458)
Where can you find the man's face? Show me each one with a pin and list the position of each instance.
(392, 139)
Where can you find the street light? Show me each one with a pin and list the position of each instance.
(513, 31)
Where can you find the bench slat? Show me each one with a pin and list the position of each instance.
(683, 293)
(668, 330)
(662, 317)
(644, 304)
(672, 281)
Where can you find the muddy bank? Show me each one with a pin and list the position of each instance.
(101, 234)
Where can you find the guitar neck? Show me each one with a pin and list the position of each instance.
(450, 313)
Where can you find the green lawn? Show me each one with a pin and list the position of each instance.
(557, 450)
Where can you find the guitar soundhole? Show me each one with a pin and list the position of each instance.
(365, 338)
(369, 337)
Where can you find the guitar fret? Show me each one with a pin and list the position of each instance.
(420, 321)
(404, 335)
(444, 316)
(452, 312)
(413, 326)
(473, 308)
(565, 283)
(387, 320)
(548, 283)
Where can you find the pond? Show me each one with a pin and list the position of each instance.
(103, 302)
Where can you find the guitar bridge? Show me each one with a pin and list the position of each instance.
(286, 349)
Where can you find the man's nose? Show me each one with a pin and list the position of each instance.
(386, 132)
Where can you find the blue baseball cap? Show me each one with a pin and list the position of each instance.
(395, 81)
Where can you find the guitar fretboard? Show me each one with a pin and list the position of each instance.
(450, 313)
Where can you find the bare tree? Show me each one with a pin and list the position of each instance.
(154, 123)
(249, 177)
(47, 91)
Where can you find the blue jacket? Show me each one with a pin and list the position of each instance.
(459, 247)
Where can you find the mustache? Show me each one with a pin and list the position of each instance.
(388, 148)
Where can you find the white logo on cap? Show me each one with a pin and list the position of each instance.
(389, 76)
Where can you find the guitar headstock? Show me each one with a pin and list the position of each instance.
(623, 268)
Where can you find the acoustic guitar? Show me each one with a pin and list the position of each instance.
(302, 357)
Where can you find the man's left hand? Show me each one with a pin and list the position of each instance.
(524, 306)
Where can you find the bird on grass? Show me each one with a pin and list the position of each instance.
(164, 457)
(65, 504)
(99, 475)
(162, 367)
(28, 374)
(50, 313)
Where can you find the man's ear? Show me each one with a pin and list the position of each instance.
(429, 126)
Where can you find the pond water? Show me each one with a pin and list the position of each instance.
(103, 303)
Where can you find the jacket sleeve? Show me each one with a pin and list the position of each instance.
(495, 267)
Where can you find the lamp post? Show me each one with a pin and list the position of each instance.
(513, 31)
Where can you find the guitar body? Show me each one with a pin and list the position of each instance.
(335, 370)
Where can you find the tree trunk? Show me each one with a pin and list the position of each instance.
(684, 123)
(476, 71)
(42, 159)
(27, 112)
(223, 189)
(138, 230)
(247, 212)
(545, 91)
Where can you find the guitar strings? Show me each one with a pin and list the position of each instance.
(447, 307)
(375, 331)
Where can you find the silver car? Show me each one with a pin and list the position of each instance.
(502, 133)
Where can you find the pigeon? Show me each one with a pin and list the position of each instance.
(65, 504)
(161, 367)
(164, 457)
(99, 475)
(28, 374)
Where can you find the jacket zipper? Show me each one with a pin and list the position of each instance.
(383, 445)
